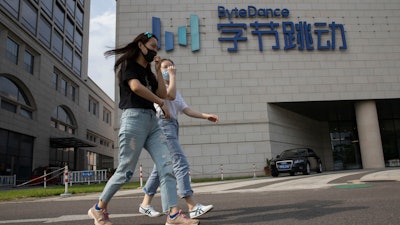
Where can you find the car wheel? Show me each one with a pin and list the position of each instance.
(274, 172)
(307, 170)
(319, 169)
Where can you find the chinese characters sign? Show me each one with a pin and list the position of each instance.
(295, 35)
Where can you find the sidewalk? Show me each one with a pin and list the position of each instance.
(385, 175)
(262, 184)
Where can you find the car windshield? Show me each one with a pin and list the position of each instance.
(292, 153)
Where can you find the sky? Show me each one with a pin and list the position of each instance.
(101, 39)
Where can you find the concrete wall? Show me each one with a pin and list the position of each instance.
(238, 86)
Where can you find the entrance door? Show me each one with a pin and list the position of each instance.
(345, 145)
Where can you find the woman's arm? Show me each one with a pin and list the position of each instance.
(195, 114)
(161, 90)
(145, 93)
(171, 90)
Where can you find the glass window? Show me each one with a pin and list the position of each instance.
(8, 106)
(13, 99)
(72, 92)
(63, 87)
(69, 29)
(107, 116)
(47, 6)
(28, 62)
(68, 54)
(12, 51)
(29, 16)
(79, 17)
(57, 44)
(59, 16)
(54, 81)
(93, 106)
(25, 113)
(62, 120)
(44, 31)
(77, 63)
(11, 6)
(71, 6)
(78, 40)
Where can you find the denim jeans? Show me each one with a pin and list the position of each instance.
(170, 128)
(139, 129)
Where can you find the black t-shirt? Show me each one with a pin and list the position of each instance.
(128, 99)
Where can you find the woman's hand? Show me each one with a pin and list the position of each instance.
(212, 118)
(157, 61)
(165, 110)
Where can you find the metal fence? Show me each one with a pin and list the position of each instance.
(8, 180)
(88, 176)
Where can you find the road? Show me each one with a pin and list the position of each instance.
(339, 198)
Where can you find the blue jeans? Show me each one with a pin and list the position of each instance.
(170, 128)
(139, 129)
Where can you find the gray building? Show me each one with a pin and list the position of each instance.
(51, 112)
(280, 74)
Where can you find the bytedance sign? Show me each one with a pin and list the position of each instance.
(295, 35)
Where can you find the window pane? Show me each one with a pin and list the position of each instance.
(79, 17)
(12, 51)
(45, 31)
(68, 54)
(28, 62)
(47, 6)
(77, 63)
(62, 115)
(59, 15)
(54, 80)
(71, 6)
(69, 29)
(11, 6)
(8, 106)
(57, 44)
(8, 89)
(64, 87)
(72, 93)
(78, 40)
(29, 16)
(25, 113)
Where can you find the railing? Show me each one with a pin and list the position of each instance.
(8, 180)
(88, 176)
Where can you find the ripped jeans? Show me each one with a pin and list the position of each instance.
(170, 128)
(139, 129)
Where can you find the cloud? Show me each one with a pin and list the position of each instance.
(101, 39)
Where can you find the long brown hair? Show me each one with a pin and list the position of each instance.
(129, 53)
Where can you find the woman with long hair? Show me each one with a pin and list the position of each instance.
(139, 89)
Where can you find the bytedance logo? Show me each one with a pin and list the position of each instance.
(182, 31)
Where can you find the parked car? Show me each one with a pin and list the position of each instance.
(291, 161)
(54, 175)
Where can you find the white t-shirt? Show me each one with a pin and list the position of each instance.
(174, 107)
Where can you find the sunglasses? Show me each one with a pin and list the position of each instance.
(149, 35)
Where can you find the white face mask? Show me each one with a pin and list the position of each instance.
(165, 74)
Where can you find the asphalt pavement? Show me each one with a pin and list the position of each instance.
(337, 198)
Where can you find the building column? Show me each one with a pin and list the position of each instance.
(369, 135)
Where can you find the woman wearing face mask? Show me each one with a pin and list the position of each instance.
(170, 128)
(139, 90)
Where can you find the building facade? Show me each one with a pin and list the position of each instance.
(51, 113)
(280, 74)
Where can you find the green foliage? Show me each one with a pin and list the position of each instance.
(268, 162)
(37, 192)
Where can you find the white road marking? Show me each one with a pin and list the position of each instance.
(63, 218)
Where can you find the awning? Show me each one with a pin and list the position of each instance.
(69, 142)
